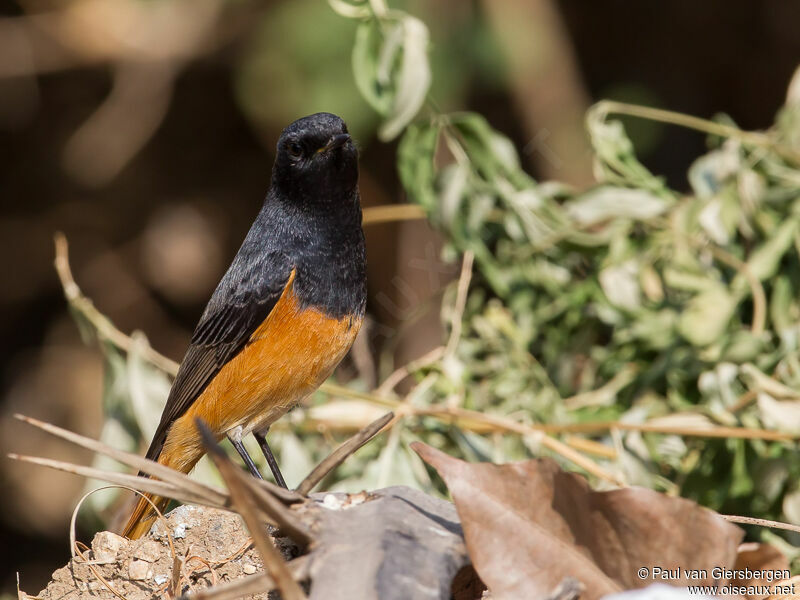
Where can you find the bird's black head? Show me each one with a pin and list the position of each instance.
(317, 161)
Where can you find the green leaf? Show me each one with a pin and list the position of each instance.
(743, 347)
(764, 261)
(411, 80)
(366, 50)
(709, 173)
(354, 10)
(621, 285)
(615, 159)
(782, 415)
(706, 316)
(415, 165)
(608, 202)
(780, 303)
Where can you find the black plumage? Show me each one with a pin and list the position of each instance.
(310, 222)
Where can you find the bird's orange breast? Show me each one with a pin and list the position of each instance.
(288, 357)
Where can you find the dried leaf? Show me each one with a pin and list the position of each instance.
(765, 562)
(560, 528)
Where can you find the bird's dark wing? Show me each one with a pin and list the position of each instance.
(243, 299)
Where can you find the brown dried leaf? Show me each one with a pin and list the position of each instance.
(786, 589)
(529, 525)
(764, 561)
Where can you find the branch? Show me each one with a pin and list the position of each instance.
(341, 453)
(105, 329)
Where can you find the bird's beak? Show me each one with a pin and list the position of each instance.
(336, 141)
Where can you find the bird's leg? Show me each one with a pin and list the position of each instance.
(261, 438)
(235, 436)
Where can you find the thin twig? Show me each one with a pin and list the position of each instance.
(282, 517)
(104, 327)
(174, 583)
(144, 484)
(761, 522)
(534, 432)
(752, 138)
(591, 447)
(88, 563)
(152, 468)
(473, 420)
(461, 302)
(341, 453)
(744, 401)
(279, 493)
(401, 373)
(75, 545)
(393, 212)
(577, 458)
(744, 433)
(245, 505)
(756, 289)
(73, 521)
(205, 563)
(339, 390)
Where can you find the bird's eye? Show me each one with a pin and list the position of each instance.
(295, 149)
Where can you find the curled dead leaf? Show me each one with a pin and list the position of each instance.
(529, 525)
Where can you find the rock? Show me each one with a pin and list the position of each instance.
(248, 569)
(394, 543)
(149, 551)
(138, 570)
(105, 547)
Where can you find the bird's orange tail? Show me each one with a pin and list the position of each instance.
(143, 516)
(181, 452)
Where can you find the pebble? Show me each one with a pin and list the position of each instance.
(248, 569)
(180, 532)
(149, 551)
(355, 499)
(139, 570)
(331, 502)
(105, 547)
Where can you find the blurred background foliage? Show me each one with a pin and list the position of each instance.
(597, 295)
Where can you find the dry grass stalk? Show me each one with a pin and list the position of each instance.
(335, 458)
(243, 502)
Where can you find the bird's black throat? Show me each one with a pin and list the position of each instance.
(325, 245)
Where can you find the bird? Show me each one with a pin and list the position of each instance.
(282, 317)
